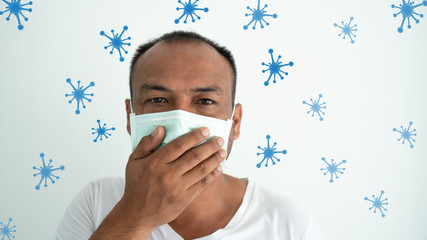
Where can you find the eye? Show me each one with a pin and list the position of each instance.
(205, 101)
(157, 100)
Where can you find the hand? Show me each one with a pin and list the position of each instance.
(161, 184)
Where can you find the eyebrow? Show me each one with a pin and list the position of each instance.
(147, 87)
(213, 89)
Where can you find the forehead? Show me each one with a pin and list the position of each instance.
(182, 65)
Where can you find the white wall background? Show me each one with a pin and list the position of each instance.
(370, 87)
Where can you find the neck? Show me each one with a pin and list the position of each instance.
(208, 206)
(212, 209)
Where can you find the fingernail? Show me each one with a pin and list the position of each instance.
(205, 132)
(155, 132)
(219, 168)
(220, 141)
(222, 153)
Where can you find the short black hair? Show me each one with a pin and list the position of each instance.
(185, 36)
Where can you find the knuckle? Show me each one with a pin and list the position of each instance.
(204, 181)
(164, 179)
(203, 169)
(194, 154)
(169, 175)
(197, 135)
(213, 144)
(131, 158)
(135, 155)
(162, 183)
(218, 158)
(178, 145)
(173, 196)
(143, 143)
(151, 166)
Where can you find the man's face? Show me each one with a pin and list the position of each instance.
(190, 76)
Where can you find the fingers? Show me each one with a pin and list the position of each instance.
(201, 172)
(179, 146)
(196, 155)
(199, 186)
(148, 144)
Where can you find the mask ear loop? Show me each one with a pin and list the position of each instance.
(223, 163)
(131, 107)
(232, 113)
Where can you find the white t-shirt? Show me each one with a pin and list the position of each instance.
(262, 215)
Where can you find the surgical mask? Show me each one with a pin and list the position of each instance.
(176, 124)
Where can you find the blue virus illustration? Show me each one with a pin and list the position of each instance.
(258, 15)
(347, 30)
(79, 94)
(102, 131)
(315, 107)
(406, 134)
(189, 10)
(117, 42)
(6, 230)
(268, 153)
(407, 10)
(333, 168)
(15, 7)
(378, 204)
(46, 172)
(274, 67)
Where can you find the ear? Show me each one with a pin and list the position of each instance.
(237, 119)
(127, 102)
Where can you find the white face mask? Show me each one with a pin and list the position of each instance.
(176, 124)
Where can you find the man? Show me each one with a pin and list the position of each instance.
(178, 191)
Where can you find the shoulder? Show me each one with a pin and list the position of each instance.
(89, 207)
(104, 194)
(97, 193)
(273, 202)
(109, 185)
(98, 197)
(100, 189)
(284, 214)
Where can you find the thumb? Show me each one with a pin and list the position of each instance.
(148, 144)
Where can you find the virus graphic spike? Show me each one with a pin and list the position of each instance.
(407, 10)
(406, 134)
(15, 7)
(347, 30)
(79, 94)
(315, 107)
(6, 230)
(269, 153)
(378, 204)
(101, 131)
(46, 172)
(333, 168)
(117, 42)
(189, 9)
(274, 67)
(258, 15)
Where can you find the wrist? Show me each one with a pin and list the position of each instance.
(133, 219)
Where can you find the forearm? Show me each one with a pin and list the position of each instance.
(119, 225)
